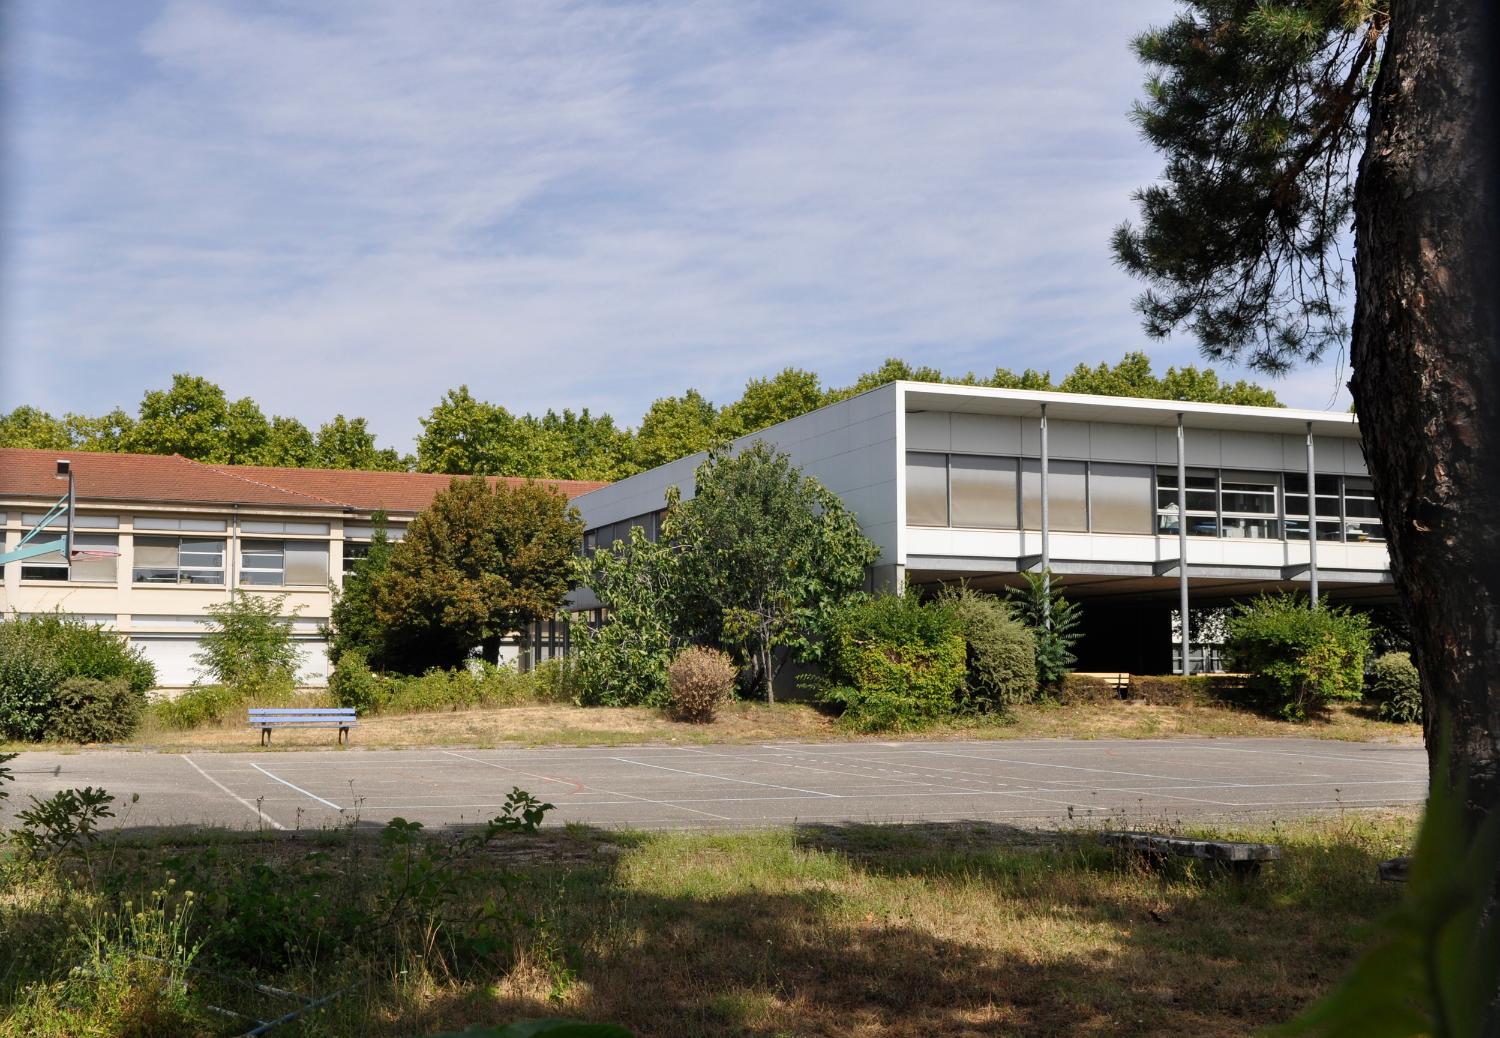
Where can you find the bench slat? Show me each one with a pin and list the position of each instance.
(334, 722)
(326, 711)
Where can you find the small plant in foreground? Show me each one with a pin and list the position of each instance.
(1053, 620)
(699, 681)
(67, 821)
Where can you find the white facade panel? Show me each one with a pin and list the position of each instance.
(1112, 441)
(985, 434)
(929, 431)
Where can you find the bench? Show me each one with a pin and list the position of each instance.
(1240, 858)
(268, 717)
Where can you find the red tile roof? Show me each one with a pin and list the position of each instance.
(173, 479)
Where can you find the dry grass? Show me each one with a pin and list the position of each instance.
(954, 930)
(554, 725)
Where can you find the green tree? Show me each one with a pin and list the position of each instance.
(352, 621)
(767, 401)
(108, 433)
(766, 555)
(466, 436)
(893, 370)
(1262, 111)
(288, 444)
(347, 443)
(674, 427)
(478, 564)
(1053, 619)
(249, 640)
(582, 446)
(624, 660)
(1133, 376)
(195, 419)
(34, 428)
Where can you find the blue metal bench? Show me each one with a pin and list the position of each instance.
(268, 717)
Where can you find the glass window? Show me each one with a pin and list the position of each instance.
(926, 489)
(1067, 494)
(984, 491)
(178, 560)
(1202, 502)
(1361, 517)
(277, 526)
(262, 562)
(80, 521)
(1120, 498)
(306, 563)
(1248, 493)
(53, 566)
(153, 522)
(353, 552)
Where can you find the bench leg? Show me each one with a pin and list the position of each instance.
(265, 736)
(344, 736)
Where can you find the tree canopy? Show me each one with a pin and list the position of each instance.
(463, 435)
(476, 565)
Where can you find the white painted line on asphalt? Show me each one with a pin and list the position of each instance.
(1066, 767)
(599, 789)
(299, 789)
(1320, 756)
(273, 823)
(725, 778)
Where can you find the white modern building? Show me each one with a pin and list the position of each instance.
(1113, 494)
(158, 539)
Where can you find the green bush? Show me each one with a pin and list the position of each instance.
(39, 653)
(352, 683)
(1395, 687)
(1000, 656)
(699, 681)
(219, 704)
(481, 685)
(1298, 659)
(96, 710)
(249, 640)
(1081, 689)
(893, 663)
(1054, 622)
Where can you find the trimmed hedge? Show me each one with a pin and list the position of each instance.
(1000, 660)
(1080, 689)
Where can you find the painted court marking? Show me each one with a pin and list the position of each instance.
(259, 813)
(299, 789)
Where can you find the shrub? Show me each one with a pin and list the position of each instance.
(352, 683)
(1298, 659)
(248, 640)
(1395, 687)
(555, 680)
(481, 685)
(1172, 689)
(893, 663)
(623, 661)
(1000, 653)
(1080, 689)
(216, 704)
(699, 681)
(1053, 621)
(96, 710)
(38, 653)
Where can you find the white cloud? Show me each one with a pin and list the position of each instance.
(356, 206)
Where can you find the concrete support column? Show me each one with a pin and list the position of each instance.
(1182, 564)
(1312, 521)
(1046, 525)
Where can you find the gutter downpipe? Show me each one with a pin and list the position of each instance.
(1046, 545)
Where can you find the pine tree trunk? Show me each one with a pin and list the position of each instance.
(1426, 358)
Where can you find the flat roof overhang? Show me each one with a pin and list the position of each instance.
(936, 396)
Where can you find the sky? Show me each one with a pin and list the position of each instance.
(355, 206)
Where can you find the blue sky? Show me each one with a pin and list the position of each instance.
(355, 206)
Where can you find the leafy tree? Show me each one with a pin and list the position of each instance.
(1133, 377)
(584, 446)
(1030, 379)
(352, 621)
(34, 428)
(674, 427)
(195, 419)
(249, 640)
(346, 443)
(108, 433)
(478, 564)
(767, 401)
(466, 436)
(1053, 620)
(624, 661)
(893, 370)
(766, 555)
(289, 444)
(1261, 111)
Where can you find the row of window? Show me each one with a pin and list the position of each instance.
(605, 536)
(984, 492)
(189, 560)
(190, 524)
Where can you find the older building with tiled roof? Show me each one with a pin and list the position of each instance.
(163, 536)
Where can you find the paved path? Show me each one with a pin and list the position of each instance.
(1035, 783)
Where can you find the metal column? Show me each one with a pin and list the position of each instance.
(1046, 523)
(1182, 569)
(1312, 521)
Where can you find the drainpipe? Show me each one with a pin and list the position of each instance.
(1182, 570)
(1312, 521)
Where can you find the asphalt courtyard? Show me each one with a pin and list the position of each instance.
(1040, 783)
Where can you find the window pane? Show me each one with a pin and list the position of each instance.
(1066, 492)
(95, 568)
(354, 551)
(32, 571)
(1256, 529)
(156, 552)
(1253, 492)
(926, 489)
(1120, 496)
(984, 492)
(307, 563)
(1365, 530)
